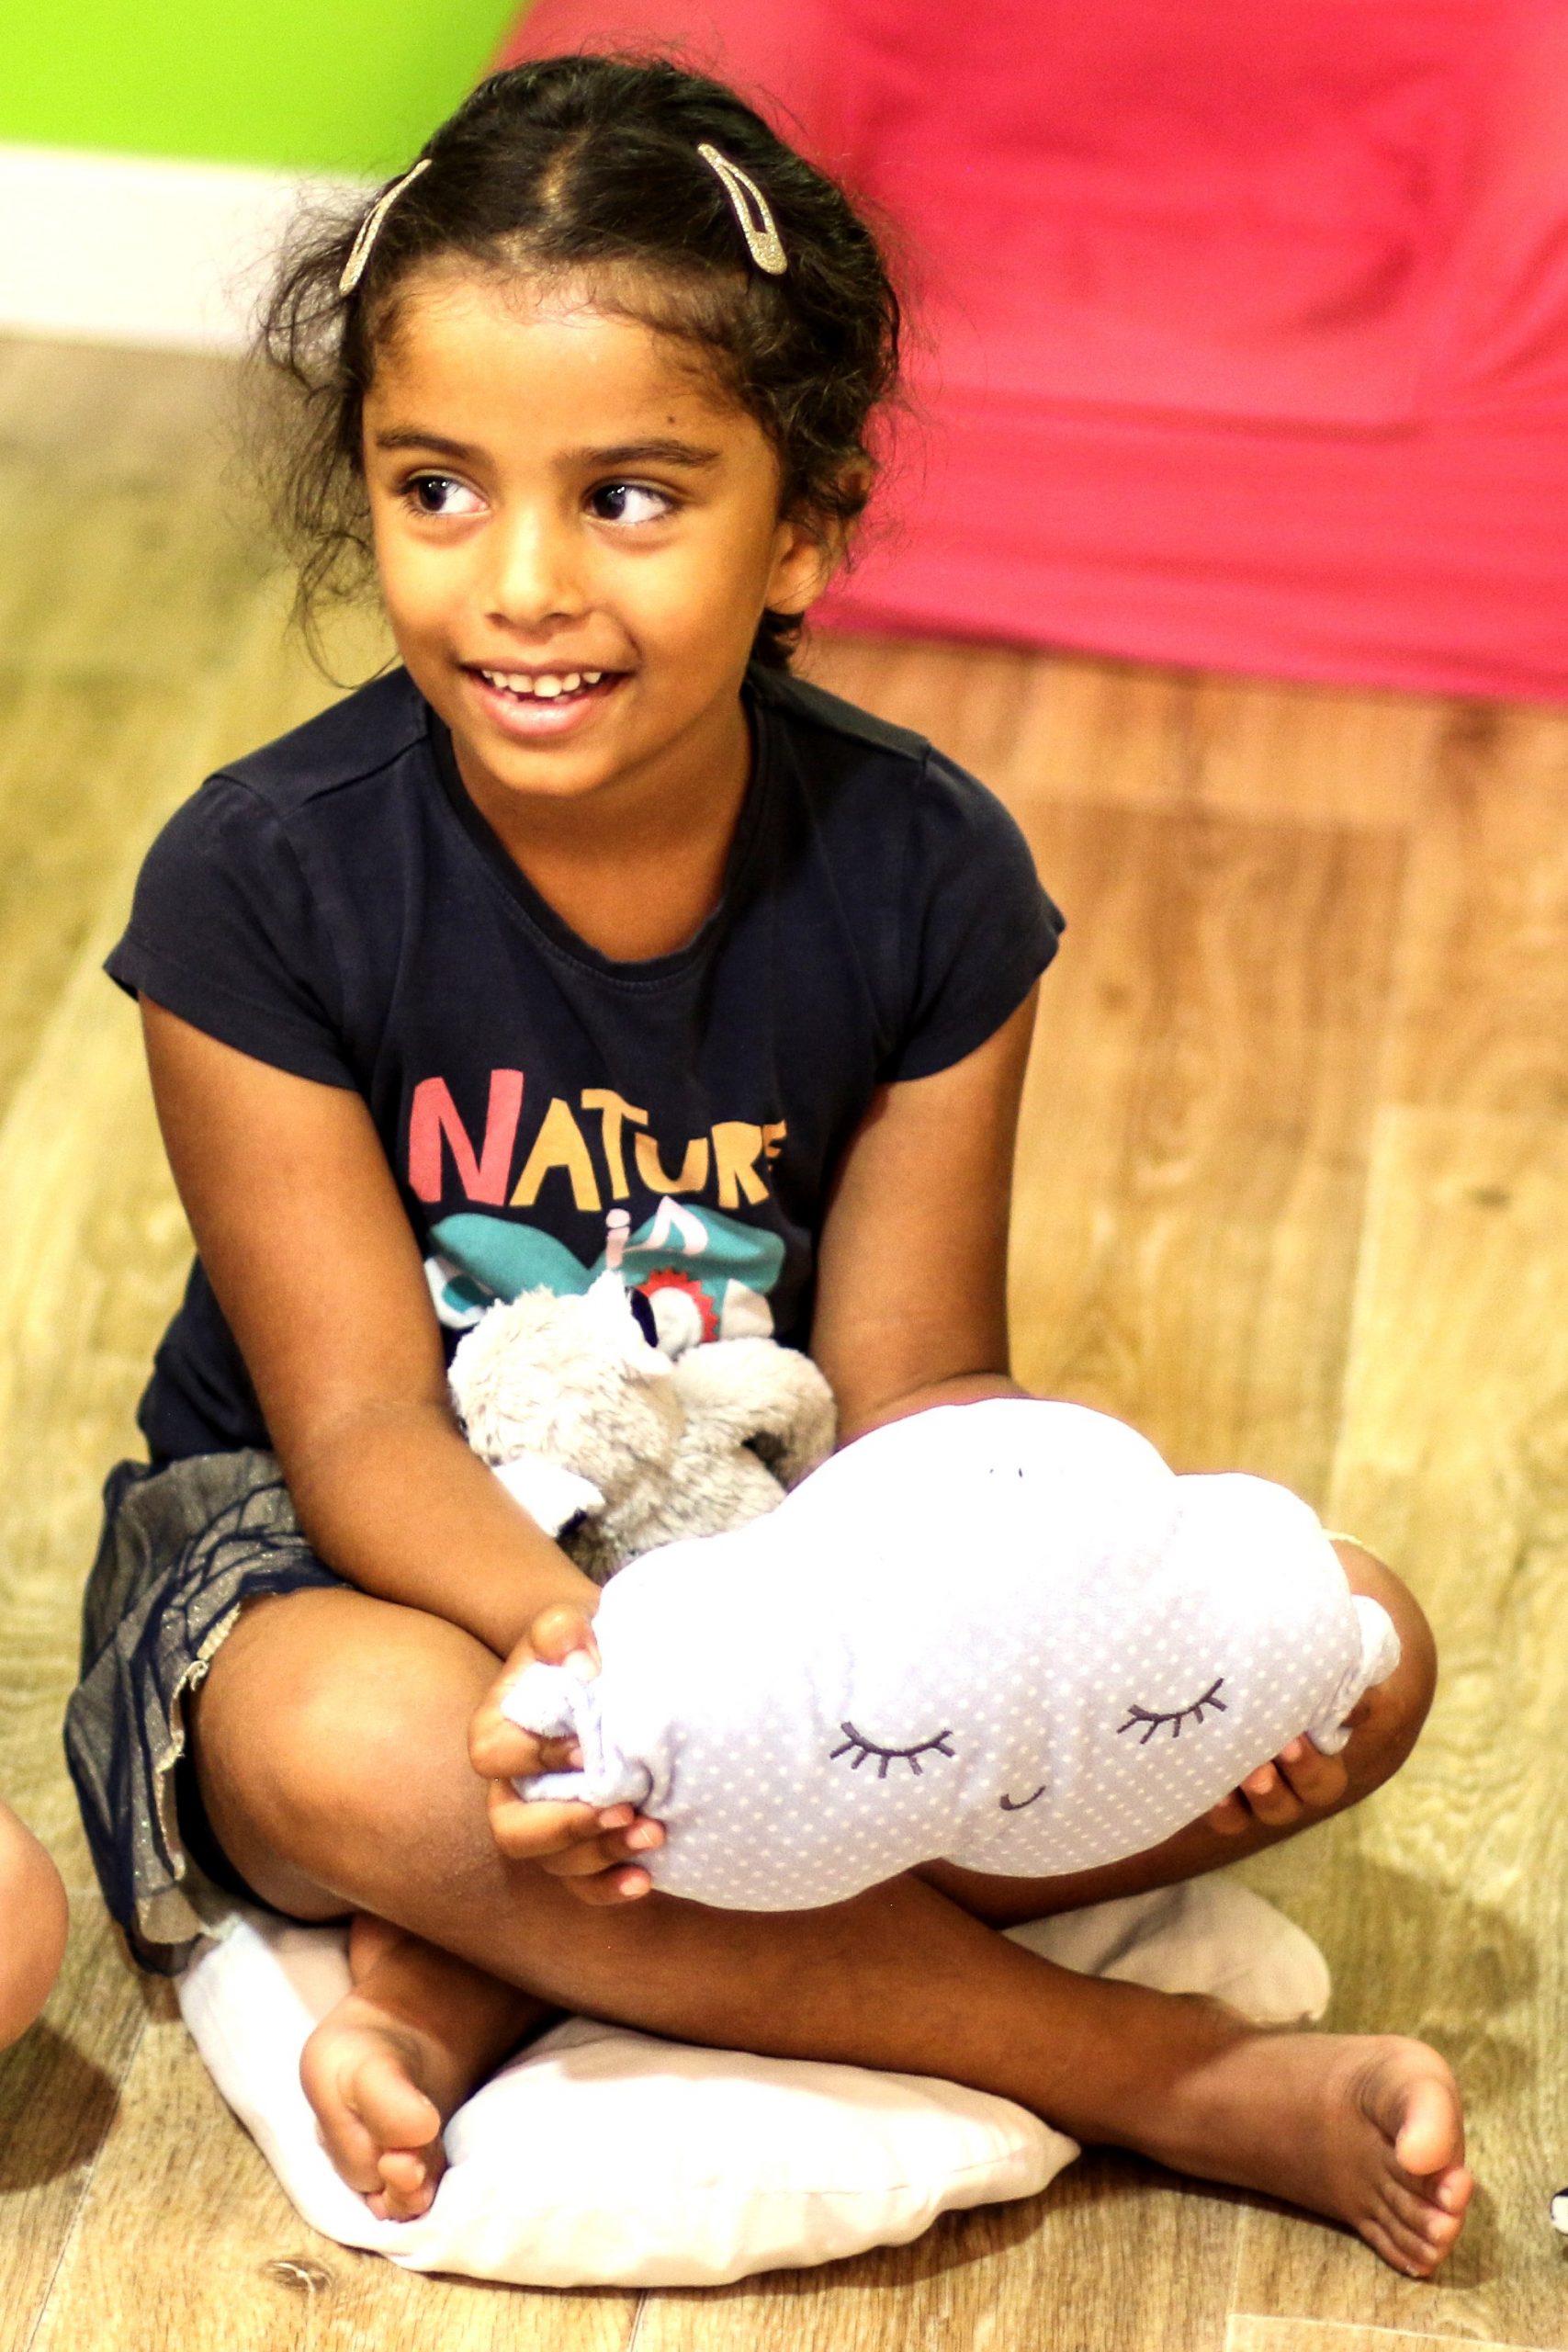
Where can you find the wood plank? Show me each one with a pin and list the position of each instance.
(1485, 985)
(58, 2090)
(1067, 727)
(1115, 2257)
(1440, 1903)
(186, 2239)
(92, 1246)
(1194, 1147)
(1249, 2334)
(132, 542)
(90, 1242)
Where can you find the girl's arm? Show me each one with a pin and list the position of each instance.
(303, 1236)
(912, 1291)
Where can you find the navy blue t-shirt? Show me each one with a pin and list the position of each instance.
(335, 904)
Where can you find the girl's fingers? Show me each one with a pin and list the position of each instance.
(1301, 1780)
(528, 1831)
(568, 1840)
(557, 1634)
(1271, 1800)
(1317, 1780)
(610, 1888)
(498, 1750)
(609, 1852)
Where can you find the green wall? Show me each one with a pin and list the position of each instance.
(342, 85)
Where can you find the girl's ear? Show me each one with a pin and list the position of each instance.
(806, 553)
(810, 548)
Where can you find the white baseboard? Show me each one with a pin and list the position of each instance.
(135, 249)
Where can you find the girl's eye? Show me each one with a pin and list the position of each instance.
(1177, 1717)
(857, 1748)
(437, 494)
(630, 502)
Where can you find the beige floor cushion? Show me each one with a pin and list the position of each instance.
(604, 2157)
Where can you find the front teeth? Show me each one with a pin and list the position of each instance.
(548, 687)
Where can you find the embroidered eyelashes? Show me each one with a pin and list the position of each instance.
(909, 1756)
(1177, 1717)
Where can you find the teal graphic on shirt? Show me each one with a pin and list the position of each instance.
(723, 1270)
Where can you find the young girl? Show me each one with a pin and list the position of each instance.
(592, 903)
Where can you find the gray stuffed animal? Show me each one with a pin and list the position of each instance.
(618, 1447)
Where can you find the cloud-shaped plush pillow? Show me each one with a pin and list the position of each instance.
(1005, 1635)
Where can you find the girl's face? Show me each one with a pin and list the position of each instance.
(576, 537)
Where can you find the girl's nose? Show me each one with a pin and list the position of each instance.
(536, 575)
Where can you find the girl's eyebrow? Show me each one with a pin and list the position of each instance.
(659, 452)
(413, 437)
(643, 453)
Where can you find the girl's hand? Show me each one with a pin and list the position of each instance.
(1300, 1781)
(593, 1848)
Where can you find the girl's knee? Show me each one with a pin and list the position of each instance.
(323, 1709)
(1387, 1722)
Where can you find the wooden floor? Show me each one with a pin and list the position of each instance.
(1294, 1197)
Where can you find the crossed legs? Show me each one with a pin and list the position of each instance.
(357, 1797)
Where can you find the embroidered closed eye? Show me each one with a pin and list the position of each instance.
(858, 1747)
(1176, 1717)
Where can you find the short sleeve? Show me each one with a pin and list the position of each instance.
(225, 931)
(978, 928)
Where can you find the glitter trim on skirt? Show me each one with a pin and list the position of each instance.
(182, 1549)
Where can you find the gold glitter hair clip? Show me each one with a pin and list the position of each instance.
(370, 227)
(763, 241)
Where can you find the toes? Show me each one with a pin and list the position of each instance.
(354, 2150)
(379, 2128)
(1415, 2210)
(408, 2179)
(1453, 2189)
(1400, 2248)
(355, 2154)
(1410, 2230)
(1429, 2137)
(393, 2109)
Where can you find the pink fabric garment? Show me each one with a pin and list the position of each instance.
(1243, 326)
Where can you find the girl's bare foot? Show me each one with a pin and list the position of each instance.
(385, 2069)
(1365, 2129)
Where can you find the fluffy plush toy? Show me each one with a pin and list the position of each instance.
(1003, 1634)
(619, 1447)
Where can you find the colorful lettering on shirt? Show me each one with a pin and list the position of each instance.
(434, 1117)
(587, 1153)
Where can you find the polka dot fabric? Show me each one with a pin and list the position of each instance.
(1003, 1634)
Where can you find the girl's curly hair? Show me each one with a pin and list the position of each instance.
(589, 164)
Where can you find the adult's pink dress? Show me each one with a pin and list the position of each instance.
(1245, 322)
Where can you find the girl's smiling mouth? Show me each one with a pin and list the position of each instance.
(534, 703)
